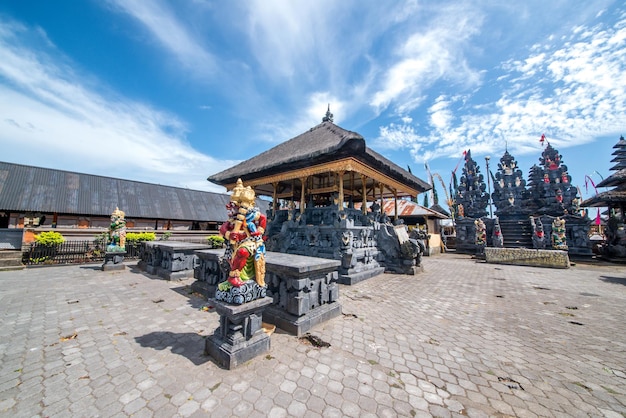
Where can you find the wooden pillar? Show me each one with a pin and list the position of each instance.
(395, 203)
(275, 184)
(364, 184)
(340, 174)
(302, 195)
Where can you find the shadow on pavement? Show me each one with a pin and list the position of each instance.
(615, 280)
(194, 299)
(186, 344)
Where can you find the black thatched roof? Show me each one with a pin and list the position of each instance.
(35, 189)
(437, 208)
(323, 143)
(614, 179)
(611, 198)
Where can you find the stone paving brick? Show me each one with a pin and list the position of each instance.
(463, 342)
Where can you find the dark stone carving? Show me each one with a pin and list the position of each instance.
(550, 188)
(497, 240)
(113, 260)
(247, 292)
(365, 244)
(539, 241)
(303, 290)
(169, 260)
(471, 193)
(240, 336)
(509, 186)
(549, 194)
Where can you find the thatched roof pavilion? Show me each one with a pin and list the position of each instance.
(323, 165)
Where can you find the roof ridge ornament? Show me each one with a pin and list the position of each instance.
(329, 116)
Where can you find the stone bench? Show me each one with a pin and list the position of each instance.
(303, 289)
(170, 260)
(527, 257)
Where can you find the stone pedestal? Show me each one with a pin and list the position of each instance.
(113, 261)
(240, 336)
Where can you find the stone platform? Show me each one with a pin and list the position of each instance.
(527, 257)
(170, 260)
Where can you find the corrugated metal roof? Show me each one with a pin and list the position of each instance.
(34, 189)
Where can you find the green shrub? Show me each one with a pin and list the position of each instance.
(165, 236)
(134, 237)
(49, 239)
(216, 241)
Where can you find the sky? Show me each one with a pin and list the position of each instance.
(170, 92)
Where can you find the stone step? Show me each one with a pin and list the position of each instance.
(10, 254)
(12, 268)
(10, 262)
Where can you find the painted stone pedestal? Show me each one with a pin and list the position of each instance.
(113, 261)
(240, 336)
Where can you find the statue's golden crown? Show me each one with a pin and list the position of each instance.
(118, 213)
(244, 196)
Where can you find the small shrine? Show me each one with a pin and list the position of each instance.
(315, 180)
(615, 201)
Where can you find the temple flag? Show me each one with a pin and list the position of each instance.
(461, 159)
(543, 139)
(598, 217)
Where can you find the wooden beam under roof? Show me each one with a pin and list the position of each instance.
(264, 185)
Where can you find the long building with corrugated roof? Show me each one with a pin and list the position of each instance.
(31, 196)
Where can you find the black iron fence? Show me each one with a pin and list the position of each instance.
(72, 252)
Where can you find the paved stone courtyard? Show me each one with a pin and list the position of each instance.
(464, 338)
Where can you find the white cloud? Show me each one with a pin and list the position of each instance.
(573, 91)
(60, 118)
(160, 20)
(428, 55)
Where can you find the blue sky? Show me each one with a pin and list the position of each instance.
(171, 92)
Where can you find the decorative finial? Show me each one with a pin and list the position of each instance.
(329, 116)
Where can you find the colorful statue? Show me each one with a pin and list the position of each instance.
(117, 229)
(481, 232)
(244, 232)
(559, 241)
